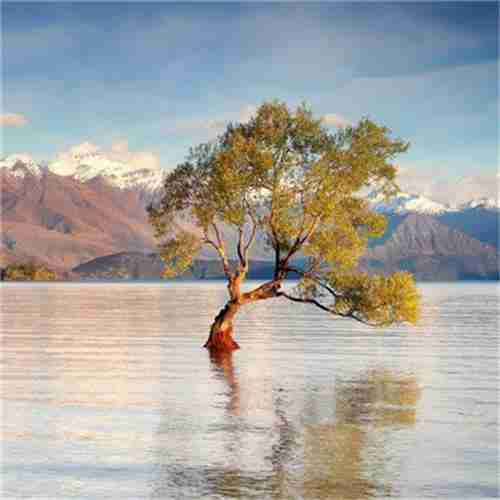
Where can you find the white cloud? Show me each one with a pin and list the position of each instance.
(452, 191)
(12, 120)
(198, 125)
(335, 120)
(136, 159)
(212, 126)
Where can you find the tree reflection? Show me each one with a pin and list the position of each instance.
(223, 366)
(340, 457)
(334, 463)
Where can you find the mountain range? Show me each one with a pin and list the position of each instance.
(90, 205)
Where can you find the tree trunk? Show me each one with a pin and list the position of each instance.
(220, 338)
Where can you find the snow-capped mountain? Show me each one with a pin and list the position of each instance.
(404, 203)
(86, 162)
(484, 203)
(126, 171)
(88, 203)
(21, 165)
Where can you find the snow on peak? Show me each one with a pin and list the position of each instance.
(404, 203)
(486, 203)
(20, 165)
(120, 167)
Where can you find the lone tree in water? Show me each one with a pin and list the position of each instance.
(285, 178)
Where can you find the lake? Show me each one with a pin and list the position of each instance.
(107, 393)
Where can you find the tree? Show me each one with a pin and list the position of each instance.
(286, 178)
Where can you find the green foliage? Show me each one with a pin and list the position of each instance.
(178, 253)
(286, 176)
(28, 272)
(376, 300)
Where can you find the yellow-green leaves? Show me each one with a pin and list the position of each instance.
(178, 253)
(287, 176)
(338, 246)
(376, 300)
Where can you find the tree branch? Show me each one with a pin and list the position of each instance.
(299, 242)
(313, 278)
(304, 301)
(277, 259)
(265, 291)
(251, 240)
(318, 304)
(243, 263)
(220, 248)
(220, 241)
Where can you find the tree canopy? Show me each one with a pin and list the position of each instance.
(286, 178)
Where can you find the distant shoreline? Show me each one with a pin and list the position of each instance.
(199, 281)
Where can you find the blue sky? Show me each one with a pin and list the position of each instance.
(163, 76)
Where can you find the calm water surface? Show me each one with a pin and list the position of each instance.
(107, 393)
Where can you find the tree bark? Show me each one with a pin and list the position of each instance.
(221, 332)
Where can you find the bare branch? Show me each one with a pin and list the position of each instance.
(208, 241)
(220, 240)
(310, 276)
(360, 320)
(251, 240)
(318, 304)
(265, 291)
(220, 249)
(277, 258)
(299, 242)
(304, 301)
(243, 262)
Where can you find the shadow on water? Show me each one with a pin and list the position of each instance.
(335, 452)
(339, 457)
(222, 365)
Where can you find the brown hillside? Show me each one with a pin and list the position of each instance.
(63, 222)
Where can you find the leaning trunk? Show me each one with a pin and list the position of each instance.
(221, 332)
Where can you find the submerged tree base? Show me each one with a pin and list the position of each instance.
(221, 341)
